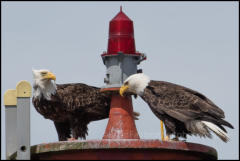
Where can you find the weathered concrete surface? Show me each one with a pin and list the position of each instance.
(121, 149)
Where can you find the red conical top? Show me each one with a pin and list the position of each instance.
(121, 35)
(121, 16)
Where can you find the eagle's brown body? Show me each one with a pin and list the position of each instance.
(72, 107)
(180, 108)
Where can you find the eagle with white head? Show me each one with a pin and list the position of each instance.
(70, 106)
(183, 111)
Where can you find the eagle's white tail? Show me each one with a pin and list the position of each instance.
(219, 132)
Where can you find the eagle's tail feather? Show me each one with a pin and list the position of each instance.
(219, 132)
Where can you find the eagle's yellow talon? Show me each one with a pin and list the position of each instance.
(162, 130)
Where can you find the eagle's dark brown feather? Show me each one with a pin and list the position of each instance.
(176, 105)
(72, 107)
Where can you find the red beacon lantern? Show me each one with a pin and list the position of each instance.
(121, 35)
(121, 58)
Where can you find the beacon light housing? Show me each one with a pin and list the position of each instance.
(121, 58)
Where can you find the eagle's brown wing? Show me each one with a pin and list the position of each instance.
(78, 97)
(182, 103)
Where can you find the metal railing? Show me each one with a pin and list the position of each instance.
(17, 115)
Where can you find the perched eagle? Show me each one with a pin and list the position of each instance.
(71, 106)
(183, 111)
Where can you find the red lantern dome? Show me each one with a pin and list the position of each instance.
(121, 35)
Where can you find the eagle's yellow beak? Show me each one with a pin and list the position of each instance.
(50, 75)
(123, 89)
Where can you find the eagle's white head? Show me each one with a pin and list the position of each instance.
(135, 83)
(43, 84)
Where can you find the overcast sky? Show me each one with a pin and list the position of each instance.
(194, 44)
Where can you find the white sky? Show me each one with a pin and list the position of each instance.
(194, 44)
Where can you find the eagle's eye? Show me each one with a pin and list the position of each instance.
(126, 83)
(43, 73)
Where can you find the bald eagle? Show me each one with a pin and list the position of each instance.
(183, 111)
(71, 106)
